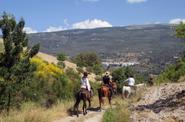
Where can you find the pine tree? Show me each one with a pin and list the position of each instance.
(15, 64)
(180, 30)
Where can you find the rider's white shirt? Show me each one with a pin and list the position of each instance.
(85, 84)
(130, 81)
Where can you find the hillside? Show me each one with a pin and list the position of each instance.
(153, 46)
(53, 59)
(164, 103)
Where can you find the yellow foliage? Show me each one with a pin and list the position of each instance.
(45, 69)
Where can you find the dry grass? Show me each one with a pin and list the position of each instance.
(121, 112)
(1, 45)
(31, 112)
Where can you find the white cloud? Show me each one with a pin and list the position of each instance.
(148, 23)
(52, 29)
(66, 23)
(29, 30)
(89, 24)
(136, 1)
(177, 21)
(90, 0)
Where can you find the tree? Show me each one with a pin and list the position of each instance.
(180, 30)
(121, 74)
(91, 61)
(15, 64)
(61, 58)
(87, 59)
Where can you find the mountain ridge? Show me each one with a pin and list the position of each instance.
(153, 44)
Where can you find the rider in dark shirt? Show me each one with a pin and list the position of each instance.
(107, 80)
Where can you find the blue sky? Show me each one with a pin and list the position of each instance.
(53, 15)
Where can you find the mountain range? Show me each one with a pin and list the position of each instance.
(154, 46)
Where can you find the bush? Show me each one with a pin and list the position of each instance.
(172, 73)
(121, 74)
(49, 83)
(98, 69)
(89, 60)
(80, 70)
(74, 80)
(61, 58)
(118, 114)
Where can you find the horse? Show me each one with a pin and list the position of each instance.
(83, 95)
(128, 90)
(104, 91)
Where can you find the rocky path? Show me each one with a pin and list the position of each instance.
(164, 103)
(92, 116)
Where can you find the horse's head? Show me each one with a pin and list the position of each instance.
(114, 86)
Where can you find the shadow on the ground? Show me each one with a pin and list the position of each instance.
(94, 109)
(71, 112)
(172, 102)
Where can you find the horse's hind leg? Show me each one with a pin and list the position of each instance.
(100, 98)
(89, 103)
(109, 98)
(84, 107)
(76, 107)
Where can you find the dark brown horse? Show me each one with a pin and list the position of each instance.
(104, 91)
(83, 95)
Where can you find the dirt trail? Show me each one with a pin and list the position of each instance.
(164, 103)
(92, 116)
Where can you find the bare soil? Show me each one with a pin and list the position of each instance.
(165, 103)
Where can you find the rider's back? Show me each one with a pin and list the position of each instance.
(106, 79)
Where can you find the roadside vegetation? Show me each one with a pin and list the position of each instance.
(91, 61)
(120, 113)
(33, 90)
(1, 46)
(121, 74)
(175, 72)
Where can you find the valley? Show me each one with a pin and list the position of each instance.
(152, 46)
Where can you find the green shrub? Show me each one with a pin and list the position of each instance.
(74, 78)
(121, 74)
(172, 73)
(98, 69)
(89, 60)
(118, 114)
(61, 58)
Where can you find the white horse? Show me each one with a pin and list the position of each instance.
(128, 90)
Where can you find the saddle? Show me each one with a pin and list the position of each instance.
(85, 91)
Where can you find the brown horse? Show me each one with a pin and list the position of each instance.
(104, 91)
(83, 95)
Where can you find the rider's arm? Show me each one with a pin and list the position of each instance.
(88, 84)
(125, 81)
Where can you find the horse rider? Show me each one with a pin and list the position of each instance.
(85, 83)
(130, 81)
(107, 82)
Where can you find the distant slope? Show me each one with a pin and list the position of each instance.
(153, 46)
(53, 59)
